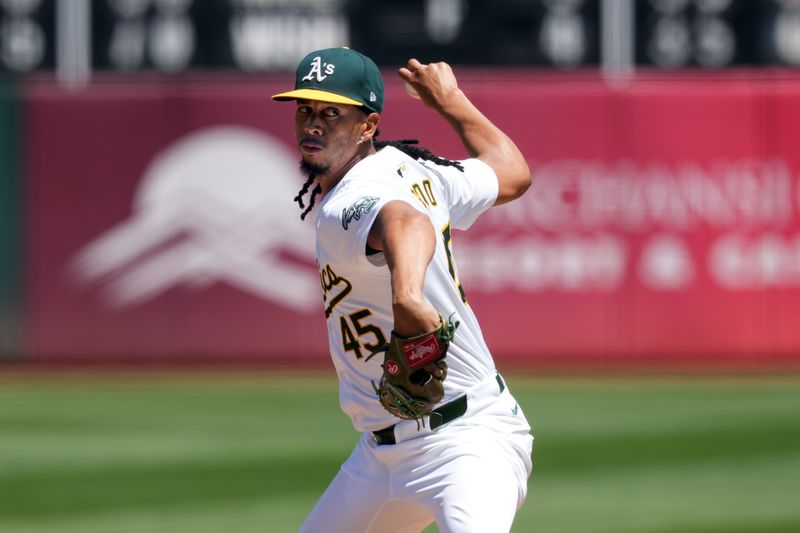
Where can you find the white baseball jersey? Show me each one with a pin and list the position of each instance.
(356, 286)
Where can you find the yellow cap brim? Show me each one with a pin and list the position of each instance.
(317, 96)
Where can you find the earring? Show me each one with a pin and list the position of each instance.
(360, 140)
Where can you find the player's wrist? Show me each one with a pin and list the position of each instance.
(414, 318)
(452, 104)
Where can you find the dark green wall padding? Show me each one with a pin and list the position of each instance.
(10, 230)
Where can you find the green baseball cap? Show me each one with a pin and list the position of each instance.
(339, 76)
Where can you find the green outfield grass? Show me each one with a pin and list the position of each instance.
(235, 453)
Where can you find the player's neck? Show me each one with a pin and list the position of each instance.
(330, 181)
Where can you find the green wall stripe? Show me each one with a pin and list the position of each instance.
(10, 234)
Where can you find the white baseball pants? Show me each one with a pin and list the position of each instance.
(469, 475)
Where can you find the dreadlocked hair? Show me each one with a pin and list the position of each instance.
(418, 152)
(407, 146)
(312, 199)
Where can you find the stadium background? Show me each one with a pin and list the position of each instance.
(146, 223)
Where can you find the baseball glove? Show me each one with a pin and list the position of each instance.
(414, 370)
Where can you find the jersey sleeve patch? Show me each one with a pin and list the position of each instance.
(361, 207)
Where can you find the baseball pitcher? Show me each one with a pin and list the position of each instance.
(442, 437)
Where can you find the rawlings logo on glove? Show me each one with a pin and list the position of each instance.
(414, 370)
(423, 351)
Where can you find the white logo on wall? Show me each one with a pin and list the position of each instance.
(592, 225)
(213, 207)
(666, 263)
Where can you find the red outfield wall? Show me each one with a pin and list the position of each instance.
(663, 224)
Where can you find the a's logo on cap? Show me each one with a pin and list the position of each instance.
(372, 96)
(317, 67)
